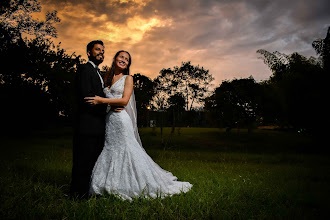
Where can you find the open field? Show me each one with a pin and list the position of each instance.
(237, 175)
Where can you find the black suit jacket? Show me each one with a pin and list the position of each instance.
(89, 120)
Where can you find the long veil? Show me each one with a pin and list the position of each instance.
(131, 111)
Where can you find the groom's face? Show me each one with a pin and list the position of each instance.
(96, 54)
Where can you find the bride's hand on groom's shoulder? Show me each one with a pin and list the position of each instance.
(94, 100)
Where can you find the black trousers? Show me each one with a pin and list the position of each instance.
(86, 149)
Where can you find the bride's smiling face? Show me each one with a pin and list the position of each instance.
(122, 60)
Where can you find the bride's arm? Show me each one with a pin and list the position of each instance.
(128, 89)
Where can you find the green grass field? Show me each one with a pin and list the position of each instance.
(237, 175)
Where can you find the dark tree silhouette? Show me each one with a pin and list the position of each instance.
(322, 48)
(176, 108)
(298, 87)
(235, 103)
(144, 91)
(16, 18)
(35, 81)
(192, 82)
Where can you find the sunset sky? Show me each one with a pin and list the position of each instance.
(220, 35)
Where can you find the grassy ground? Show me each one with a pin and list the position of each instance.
(237, 175)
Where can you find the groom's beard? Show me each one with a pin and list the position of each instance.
(98, 59)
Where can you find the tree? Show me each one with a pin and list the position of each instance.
(176, 108)
(42, 82)
(298, 83)
(144, 91)
(194, 83)
(235, 103)
(38, 85)
(164, 86)
(322, 48)
(16, 18)
(191, 81)
(54, 71)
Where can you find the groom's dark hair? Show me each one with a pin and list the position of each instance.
(91, 44)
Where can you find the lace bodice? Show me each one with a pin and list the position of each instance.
(116, 90)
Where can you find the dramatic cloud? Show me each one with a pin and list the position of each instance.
(220, 35)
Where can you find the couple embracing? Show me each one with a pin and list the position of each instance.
(108, 156)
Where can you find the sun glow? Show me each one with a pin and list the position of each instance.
(132, 31)
(141, 2)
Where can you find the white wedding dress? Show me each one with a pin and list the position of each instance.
(123, 167)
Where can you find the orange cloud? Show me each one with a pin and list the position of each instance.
(130, 32)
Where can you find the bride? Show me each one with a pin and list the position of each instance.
(123, 167)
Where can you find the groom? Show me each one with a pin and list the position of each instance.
(89, 122)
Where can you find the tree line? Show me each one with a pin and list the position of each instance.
(37, 80)
(294, 97)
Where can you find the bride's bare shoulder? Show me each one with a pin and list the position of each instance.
(129, 78)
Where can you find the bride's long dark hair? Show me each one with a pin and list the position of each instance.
(108, 76)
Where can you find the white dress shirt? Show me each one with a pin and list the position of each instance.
(97, 73)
